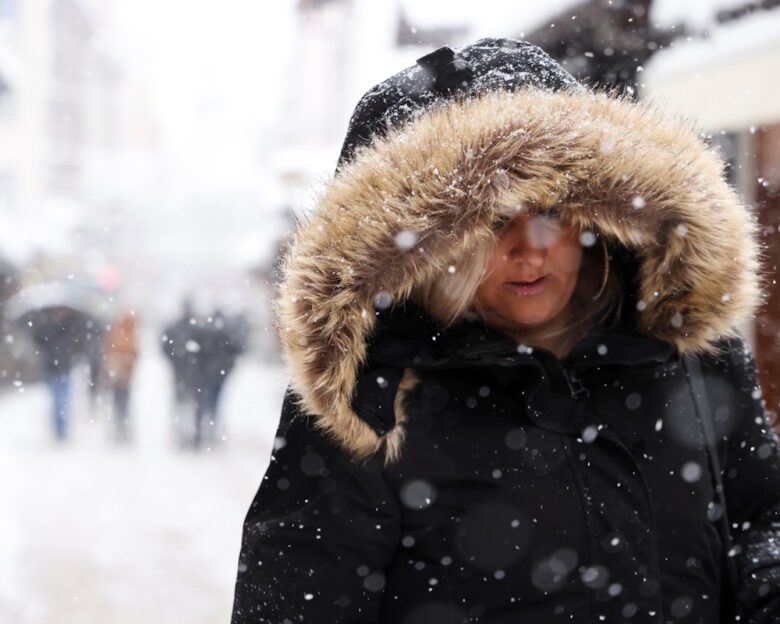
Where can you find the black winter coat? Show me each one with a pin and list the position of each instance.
(424, 474)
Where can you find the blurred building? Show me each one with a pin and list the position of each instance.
(61, 111)
(43, 64)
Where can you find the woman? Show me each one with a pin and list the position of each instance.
(492, 322)
(120, 353)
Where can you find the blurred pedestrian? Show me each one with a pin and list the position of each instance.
(180, 346)
(94, 359)
(220, 343)
(60, 335)
(120, 353)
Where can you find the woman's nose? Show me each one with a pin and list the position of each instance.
(528, 245)
(524, 252)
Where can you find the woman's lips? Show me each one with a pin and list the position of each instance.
(527, 288)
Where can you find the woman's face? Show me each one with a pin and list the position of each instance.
(531, 275)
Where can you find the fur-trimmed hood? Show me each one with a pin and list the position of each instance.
(443, 179)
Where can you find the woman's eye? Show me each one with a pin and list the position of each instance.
(543, 231)
(546, 220)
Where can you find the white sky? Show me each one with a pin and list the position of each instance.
(202, 59)
(488, 17)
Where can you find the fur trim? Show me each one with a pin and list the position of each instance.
(394, 439)
(604, 163)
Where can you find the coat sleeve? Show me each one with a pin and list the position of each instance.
(752, 487)
(318, 536)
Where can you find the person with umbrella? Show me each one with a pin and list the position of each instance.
(60, 335)
(62, 320)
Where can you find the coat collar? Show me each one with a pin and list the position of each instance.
(552, 392)
(409, 337)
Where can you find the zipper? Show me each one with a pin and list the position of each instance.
(576, 388)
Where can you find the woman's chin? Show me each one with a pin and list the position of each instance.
(517, 324)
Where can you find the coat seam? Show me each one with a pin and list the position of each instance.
(656, 545)
(580, 492)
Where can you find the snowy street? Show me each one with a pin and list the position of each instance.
(94, 531)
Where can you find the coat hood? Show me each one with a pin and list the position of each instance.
(429, 182)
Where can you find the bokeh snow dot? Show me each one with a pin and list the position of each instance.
(681, 607)
(192, 346)
(629, 610)
(589, 434)
(633, 401)
(405, 239)
(691, 472)
(595, 576)
(418, 494)
(550, 574)
(313, 465)
(374, 582)
(515, 439)
(588, 238)
(714, 512)
(382, 300)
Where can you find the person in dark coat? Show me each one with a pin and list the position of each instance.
(178, 346)
(181, 344)
(220, 346)
(519, 389)
(61, 335)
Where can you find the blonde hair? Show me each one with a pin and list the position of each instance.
(451, 296)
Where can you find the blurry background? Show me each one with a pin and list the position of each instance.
(153, 156)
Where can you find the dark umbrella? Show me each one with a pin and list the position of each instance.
(77, 296)
(65, 319)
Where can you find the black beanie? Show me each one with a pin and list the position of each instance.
(485, 66)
